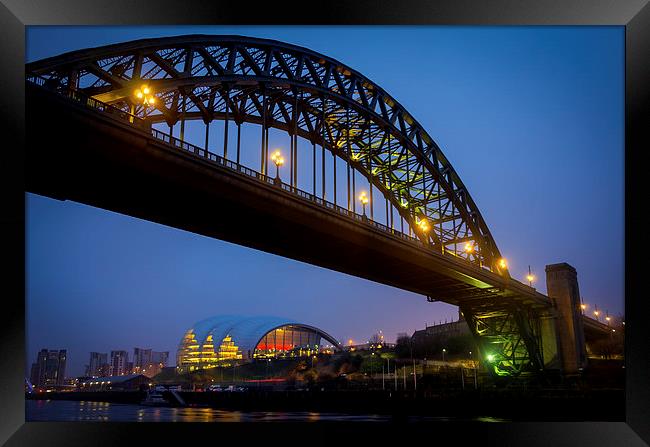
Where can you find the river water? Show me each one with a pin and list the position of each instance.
(62, 410)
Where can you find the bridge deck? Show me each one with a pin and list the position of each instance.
(78, 150)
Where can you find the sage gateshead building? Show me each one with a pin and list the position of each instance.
(224, 340)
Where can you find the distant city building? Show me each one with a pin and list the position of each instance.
(159, 361)
(445, 331)
(149, 362)
(70, 384)
(119, 363)
(98, 365)
(160, 357)
(141, 359)
(49, 368)
(223, 340)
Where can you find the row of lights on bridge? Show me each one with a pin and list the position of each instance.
(422, 223)
(597, 313)
(145, 94)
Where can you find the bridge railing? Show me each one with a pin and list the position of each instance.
(81, 98)
(201, 152)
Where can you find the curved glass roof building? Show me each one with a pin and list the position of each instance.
(221, 340)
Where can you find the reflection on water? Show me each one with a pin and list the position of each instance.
(61, 410)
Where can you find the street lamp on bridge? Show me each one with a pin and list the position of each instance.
(364, 201)
(530, 277)
(278, 159)
(424, 225)
(144, 94)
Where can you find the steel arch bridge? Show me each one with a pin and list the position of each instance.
(305, 94)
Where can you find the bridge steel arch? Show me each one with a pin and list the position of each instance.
(309, 95)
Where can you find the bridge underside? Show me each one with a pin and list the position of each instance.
(78, 154)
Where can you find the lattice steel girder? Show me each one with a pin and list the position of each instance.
(198, 77)
(508, 336)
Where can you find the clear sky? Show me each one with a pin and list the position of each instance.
(531, 118)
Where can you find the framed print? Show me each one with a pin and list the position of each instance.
(365, 219)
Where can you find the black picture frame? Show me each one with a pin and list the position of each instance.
(16, 14)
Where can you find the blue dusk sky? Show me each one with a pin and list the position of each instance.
(531, 118)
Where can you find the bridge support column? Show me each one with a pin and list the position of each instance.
(550, 342)
(562, 288)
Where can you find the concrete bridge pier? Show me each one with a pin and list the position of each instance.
(562, 288)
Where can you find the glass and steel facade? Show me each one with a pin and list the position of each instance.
(288, 341)
(222, 340)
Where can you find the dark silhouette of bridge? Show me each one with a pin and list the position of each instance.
(101, 125)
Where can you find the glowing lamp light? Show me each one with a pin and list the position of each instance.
(144, 94)
(424, 225)
(503, 263)
(277, 157)
(469, 247)
(490, 358)
(583, 306)
(530, 277)
(363, 198)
